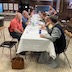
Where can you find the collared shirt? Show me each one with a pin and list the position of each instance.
(15, 24)
(24, 20)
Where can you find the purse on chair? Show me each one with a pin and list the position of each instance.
(17, 63)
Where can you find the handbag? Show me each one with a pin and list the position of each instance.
(17, 63)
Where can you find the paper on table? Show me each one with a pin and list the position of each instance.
(44, 32)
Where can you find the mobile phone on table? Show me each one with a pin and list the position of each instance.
(39, 31)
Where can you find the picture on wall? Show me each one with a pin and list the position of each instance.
(10, 6)
(15, 6)
(5, 6)
(69, 4)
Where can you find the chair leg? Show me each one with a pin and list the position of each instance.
(15, 48)
(25, 56)
(67, 59)
(3, 34)
(2, 49)
(10, 53)
(17, 43)
(0, 34)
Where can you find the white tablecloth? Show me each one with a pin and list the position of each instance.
(31, 41)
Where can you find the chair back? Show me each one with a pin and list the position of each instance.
(9, 30)
(67, 40)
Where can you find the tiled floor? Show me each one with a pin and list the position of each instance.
(30, 63)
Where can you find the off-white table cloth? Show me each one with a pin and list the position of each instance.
(31, 41)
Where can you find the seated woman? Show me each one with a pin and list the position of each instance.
(56, 35)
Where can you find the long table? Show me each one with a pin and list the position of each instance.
(31, 41)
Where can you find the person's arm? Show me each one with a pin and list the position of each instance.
(16, 30)
(47, 27)
(48, 30)
(28, 21)
(56, 33)
(22, 29)
(44, 26)
(54, 12)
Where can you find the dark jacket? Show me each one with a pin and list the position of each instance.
(60, 43)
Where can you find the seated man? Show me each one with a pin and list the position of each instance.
(15, 27)
(56, 35)
(25, 18)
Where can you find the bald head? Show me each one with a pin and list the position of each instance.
(25, 14)
(18, 16)
(24, 11)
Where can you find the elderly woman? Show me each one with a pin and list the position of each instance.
(56, 35)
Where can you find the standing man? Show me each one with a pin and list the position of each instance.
(15, 27)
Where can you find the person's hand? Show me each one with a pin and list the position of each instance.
(42, 27)
(42, 36)
(40, 24)
(47, 23)
(28, 22)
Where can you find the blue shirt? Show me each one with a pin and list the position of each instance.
(24, 20)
